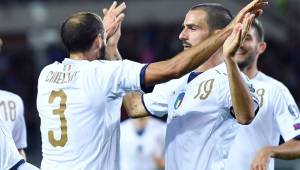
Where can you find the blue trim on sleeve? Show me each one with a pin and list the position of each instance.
(143, 102)
(16, 166)
(142, 81)
(193, 75)
(297, 137)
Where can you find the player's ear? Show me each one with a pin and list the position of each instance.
(98, 41)
(262, 46)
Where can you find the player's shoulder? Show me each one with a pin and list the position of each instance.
(219, 71)
(9, 95)
(272, 82)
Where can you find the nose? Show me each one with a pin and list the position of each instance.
(183, 35)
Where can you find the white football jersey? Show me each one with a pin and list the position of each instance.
(12, 114)
(79, 105)
(199, 118)
(138, 150)
(278, 114)
(9, 155)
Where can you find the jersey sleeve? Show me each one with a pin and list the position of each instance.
(225, 97)
(19, 130)
(156, 103)
(121, 77)
(286, 114)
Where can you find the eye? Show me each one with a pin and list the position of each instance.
(193, 27)
(248, 38)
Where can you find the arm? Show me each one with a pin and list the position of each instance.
(287, 151)
(134, 106)
(242, 101)
(185, 61)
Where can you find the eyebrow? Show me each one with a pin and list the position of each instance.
(190, 25)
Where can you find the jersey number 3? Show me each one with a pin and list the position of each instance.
(61, 113)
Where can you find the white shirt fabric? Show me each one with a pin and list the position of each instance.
(278, 114)
(79, 105)
(198, 119)
(9, 155)
(12, 114)
(137, 151)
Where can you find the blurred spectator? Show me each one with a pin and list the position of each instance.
(142, 144)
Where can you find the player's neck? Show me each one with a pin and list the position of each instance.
(81, 56)
(251, 71)
(213, 61)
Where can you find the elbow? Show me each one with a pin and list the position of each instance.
(246, 120)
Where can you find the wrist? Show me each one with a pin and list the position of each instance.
(269, 150)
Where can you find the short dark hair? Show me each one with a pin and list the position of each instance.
(79, 31)
(257, 25)
(218, 17)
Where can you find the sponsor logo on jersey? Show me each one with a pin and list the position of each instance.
(296, 126)
(294, 111)
(179, 100)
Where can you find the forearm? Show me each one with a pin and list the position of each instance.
(112, 53)
(242, 101)
(287, 151)
(133, 105)
(185, 61)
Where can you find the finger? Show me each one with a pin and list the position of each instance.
(247, 25)
(120, 18)
(104, 11)
(258, 6)
(113, 6)
(120, 9)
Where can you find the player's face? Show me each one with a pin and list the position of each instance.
(195, 28)
(248, 52)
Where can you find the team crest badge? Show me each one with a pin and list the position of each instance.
(179, 100)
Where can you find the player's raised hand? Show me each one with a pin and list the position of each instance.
(262, 159)
(113, 17)
(255, 7)
(113, 40)
(233, 42)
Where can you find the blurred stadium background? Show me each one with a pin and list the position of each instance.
(30, 32)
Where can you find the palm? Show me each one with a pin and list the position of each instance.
(233, 42)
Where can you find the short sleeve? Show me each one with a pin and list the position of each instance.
(121, 77)
(286, 114)
(19, 130)
(156, 103)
